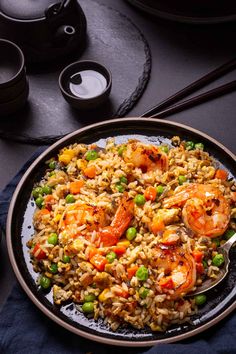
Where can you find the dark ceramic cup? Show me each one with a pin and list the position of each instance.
(14, 87)
(85, 84)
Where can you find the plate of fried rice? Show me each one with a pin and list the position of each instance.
(114, 227)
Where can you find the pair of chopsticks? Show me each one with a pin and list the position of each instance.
(169, 105)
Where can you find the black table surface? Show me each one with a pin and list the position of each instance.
(181, 53)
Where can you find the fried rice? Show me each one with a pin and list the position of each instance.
(109, 236)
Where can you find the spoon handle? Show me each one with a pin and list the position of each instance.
(229, 243)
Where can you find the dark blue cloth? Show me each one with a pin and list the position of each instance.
(25, 329)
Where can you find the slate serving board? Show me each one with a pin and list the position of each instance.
(114, 41)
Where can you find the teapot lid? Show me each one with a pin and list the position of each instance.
(25, 9)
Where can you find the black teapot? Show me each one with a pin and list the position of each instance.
(46, 30)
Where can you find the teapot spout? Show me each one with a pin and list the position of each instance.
(63, 35)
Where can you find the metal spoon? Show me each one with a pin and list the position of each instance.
(209, 284)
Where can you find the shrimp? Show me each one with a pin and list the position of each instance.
(205, 209)
(94, 219)
(146, 157)
(110, 235)
(82, 214)
(179, 269)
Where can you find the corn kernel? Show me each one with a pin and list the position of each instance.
(124, 243)
(77, 245)
(49, 275)
(155, 327)
(64, 158)
(57, 217)
(103, 296)
(69, 152)
(81, 164)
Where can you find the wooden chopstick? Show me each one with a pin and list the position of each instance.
(194, 86)
(206, 96)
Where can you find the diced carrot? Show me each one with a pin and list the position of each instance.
(49, 198)
(76, 186)
(70, 219)
(99, 262)
(221, 174)
(108, 237)
(90, 171)
(157, 225)
(42, 212)
(40, 254)
(131, 271)
(92, 251)
(119, 250)
(166, 282)
(150, 193)
(121, 292)
(199, 268)
(198, 256)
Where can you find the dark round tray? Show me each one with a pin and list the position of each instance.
(193, 11)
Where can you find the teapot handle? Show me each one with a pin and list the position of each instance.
(55, 9)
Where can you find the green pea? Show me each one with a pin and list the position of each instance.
(91, 155)
(182, 179)
(199, 146)
(111, 256)
(217, 242)
(66, 259)
(53, 239)
(52, 165)
(53, 268)
(39, 202)
(165, 149)
(121, 149)
(45, 282)
(120, 188)
(228, 234)
(200, 299)
(70, 198)
(123, 179)
(131, 233)
(47, 190)
(143, 292)
(159, 189)
(37, 192)
(142, 273)
(189, 145)
(204, 263)
(88, 307)
(52, 173)
(218, 260)
(89, 298)
(139, 199)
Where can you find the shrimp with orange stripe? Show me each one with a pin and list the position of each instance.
(176, 262)
(205, 210)
(147, 157)
(94, 219)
